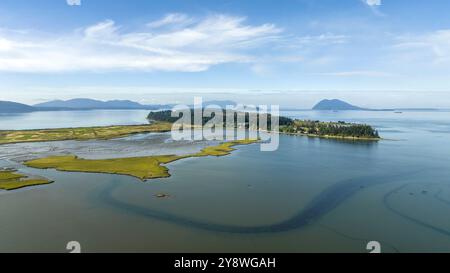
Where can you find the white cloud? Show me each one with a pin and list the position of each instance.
(327, 38)
(213, 40)
(311, 41)
(5, 45)
(373, 2)
(105, 29)
(357, 73)
(374, 6)
(431, 48)
(171, 19)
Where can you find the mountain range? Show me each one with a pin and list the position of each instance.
(14, 107)
(91, 104)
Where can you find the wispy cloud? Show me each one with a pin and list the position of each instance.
(373, 2)
(311, 41)
(327, 38)
(178, 19)
(210, 41)
(357, 73)
(374, 6)
(431, 48)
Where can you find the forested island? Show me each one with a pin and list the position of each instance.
(331, 129)
(166, 116)
(292, 126)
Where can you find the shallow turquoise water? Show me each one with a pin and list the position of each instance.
(311, 195)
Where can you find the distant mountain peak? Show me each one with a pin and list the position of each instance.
(335, 105)
(14, 107)
(84, 103)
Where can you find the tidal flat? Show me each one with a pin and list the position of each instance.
(107, 149)
(82, 133)
(12, 180)
(140, 167)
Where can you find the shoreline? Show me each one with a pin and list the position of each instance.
(327, 136)
(333, 137)
(11, 180)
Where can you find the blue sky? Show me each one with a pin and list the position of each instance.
(375, 53)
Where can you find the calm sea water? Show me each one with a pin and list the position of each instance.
(64, 119)
(312, 195)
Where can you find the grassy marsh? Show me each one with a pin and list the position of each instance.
(83, 133)
(10, 180)
(139, 167)
(223, 149)
(149, 167)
